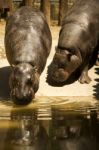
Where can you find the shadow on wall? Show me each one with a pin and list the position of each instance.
(96, 87)
(4, 83)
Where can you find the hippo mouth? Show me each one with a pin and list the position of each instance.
(23, 100)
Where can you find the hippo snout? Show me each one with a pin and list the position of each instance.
(22, 98)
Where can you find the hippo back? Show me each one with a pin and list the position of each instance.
(27, 38)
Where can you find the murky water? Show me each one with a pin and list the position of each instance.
(46, 126)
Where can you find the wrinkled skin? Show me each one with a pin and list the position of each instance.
(78, 43)
(28, 44)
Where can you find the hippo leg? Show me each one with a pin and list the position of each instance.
(84, 78)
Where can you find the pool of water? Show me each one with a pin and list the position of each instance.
(51, 126)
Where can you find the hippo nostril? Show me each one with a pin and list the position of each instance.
(27, 96)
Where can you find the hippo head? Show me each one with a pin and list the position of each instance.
(64, 63)
(24, 83)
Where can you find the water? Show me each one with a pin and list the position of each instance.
(50, 125)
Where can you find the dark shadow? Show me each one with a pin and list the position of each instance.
(96, 87)
(4, 13)
(75, 132)
(4, 83)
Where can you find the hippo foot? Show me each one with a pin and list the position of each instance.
(84, 78)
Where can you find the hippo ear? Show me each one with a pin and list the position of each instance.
(77, 56)
(76, 60)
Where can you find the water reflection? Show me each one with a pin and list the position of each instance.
(24, 132)
(27, 129)
(75, 132)
(50, 129)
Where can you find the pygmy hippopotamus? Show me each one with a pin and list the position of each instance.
(78, 43)
(28, 43)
